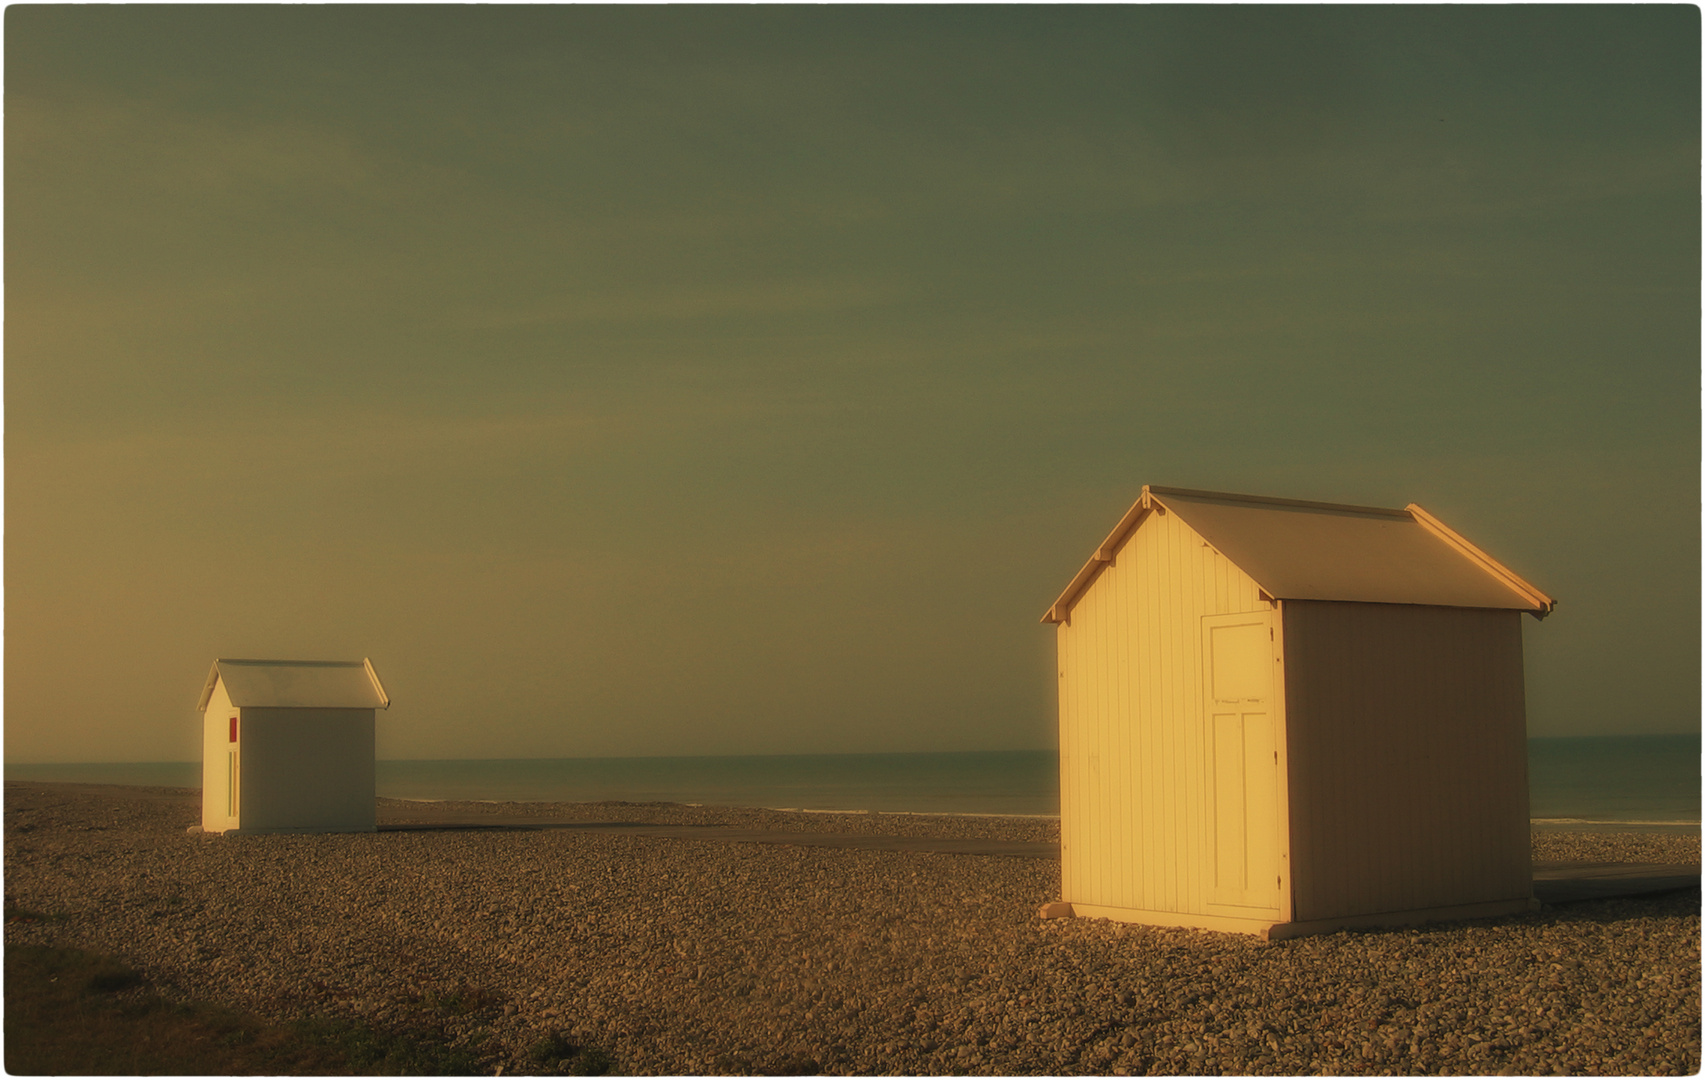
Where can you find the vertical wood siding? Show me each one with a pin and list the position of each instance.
(1407, 757)
(216, 747)
(1133, 775)
(308, 769)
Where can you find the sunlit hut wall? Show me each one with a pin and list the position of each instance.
(1281, 717)
(288, 746)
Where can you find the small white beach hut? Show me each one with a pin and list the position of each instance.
(288, 746)
(1282, 718)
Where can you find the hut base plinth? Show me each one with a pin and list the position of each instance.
(1269, 929)
(1486, 910)
(287, 830)
(1228, 924)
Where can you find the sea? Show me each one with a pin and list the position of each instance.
(1639, 781)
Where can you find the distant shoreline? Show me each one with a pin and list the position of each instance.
(1590, 783)
(1547, 824)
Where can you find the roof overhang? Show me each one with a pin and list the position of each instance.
(1543, 604)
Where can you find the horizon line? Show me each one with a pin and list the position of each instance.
(813, 753)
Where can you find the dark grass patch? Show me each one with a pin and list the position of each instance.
(464, 1001)
(366, 1051)
(556, 1053)
(14, 913)
(794, 1065)
(75, 1013)
(738, 1064)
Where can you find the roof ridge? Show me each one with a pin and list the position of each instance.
(294, 663)
(1268, 500)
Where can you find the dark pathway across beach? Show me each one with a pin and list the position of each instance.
(945, 845)
(1553, 883)
(1564, 882)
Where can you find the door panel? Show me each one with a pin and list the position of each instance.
(1237, 653)
(1240, 657)
(1230, 870)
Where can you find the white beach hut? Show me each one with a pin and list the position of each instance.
(288, 745)
(1282, 718)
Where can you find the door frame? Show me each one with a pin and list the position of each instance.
(1273, 618)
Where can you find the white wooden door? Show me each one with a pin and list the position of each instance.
(1242, 759)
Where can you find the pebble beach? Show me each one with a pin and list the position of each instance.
(694, 957)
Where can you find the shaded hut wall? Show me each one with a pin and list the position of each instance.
(1133, 779)
(308, 769)
(1407, 757)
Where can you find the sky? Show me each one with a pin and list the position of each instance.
(686, 380)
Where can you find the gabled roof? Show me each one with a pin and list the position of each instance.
(297, 684)
(1326, 551)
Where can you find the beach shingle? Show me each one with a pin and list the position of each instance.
(682, 957)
